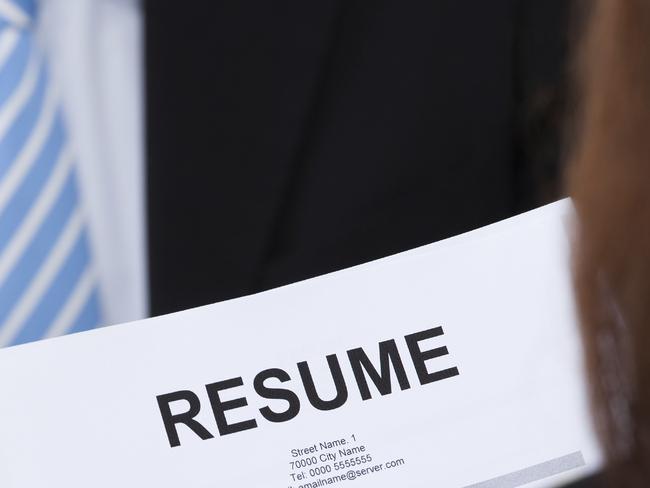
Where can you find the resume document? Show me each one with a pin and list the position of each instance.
(457, 364)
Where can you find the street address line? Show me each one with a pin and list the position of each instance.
(534, 473)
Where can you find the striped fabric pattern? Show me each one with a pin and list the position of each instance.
(47, 283)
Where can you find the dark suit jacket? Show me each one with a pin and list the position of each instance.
(290, 138)
(591, 482)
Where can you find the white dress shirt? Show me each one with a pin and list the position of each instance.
(94, 50)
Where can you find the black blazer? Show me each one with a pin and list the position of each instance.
(591, 482)
(289, 138)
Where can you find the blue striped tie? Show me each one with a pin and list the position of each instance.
(47, 284)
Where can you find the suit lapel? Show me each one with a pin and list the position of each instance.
(230, 86)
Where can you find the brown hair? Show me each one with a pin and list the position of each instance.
(609, 181)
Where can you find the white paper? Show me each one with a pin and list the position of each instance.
(82, 410)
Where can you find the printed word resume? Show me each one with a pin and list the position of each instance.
(457, 364)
